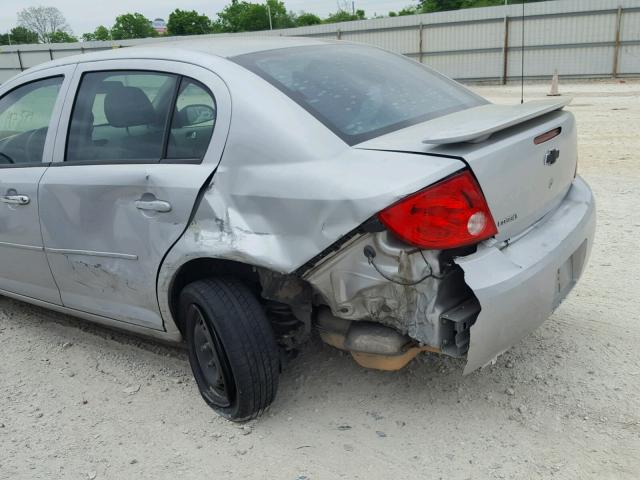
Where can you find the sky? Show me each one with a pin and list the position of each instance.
(85, 15)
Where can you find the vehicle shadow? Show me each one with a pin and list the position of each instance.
(52, 322)
(318, 376)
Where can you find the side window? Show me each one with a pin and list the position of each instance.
(25, 114)
(120, 116)
(193, 121)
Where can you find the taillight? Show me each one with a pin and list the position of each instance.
(451, 213)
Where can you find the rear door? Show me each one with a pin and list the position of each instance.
(29, 113)
(125, 179)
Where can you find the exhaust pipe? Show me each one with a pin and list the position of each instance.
(371, 345)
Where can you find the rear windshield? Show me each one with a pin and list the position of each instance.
(359, 92)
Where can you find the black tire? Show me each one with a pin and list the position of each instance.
(238, 377)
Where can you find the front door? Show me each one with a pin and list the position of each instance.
(29, 112)
(143, 139)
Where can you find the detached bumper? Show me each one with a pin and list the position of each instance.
(520, 285)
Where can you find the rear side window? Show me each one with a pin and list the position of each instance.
(193, 121)
(132, 116)
(25, 114)
(121, 116)
(359, 92)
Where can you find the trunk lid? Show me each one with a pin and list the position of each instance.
(522, 181)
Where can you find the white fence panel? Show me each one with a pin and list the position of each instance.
(576, 37)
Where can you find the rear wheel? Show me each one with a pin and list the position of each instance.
(232, 348)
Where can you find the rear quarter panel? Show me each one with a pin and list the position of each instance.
(287, 188)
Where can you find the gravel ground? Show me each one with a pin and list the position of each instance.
(81, 402)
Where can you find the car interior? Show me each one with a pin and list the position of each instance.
(116, 117)
(124, 118)
(24, 120)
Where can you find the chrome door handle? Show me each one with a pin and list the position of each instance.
(154, 205)
(15, 199)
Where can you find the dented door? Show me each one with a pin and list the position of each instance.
(107, 218)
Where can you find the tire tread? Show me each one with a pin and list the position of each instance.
(247, 339)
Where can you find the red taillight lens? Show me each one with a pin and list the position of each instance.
(451, 213)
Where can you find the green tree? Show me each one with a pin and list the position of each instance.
(410, 10)
(183, 22)
(242, 16)
(442, 5)
(345, 16)
(132, 25)
(305, 19)
(101, 33)
(60, 36)
(18, 36)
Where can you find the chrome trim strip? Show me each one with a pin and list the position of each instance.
(23, 247)
(66, 251)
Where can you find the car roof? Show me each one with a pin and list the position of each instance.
(233, 46)
(175, 48)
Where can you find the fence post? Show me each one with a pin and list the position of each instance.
(338, 34)
(616, 49)
(20, 60)
(420, 43)
(505, 51)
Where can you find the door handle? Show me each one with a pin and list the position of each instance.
(153, 205)
(15, 199)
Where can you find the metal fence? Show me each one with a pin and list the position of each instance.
(578, 38)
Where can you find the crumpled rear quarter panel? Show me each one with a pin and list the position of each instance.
(287, 189)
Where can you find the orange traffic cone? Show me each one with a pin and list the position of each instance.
(554, 86)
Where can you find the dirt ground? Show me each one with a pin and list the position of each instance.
(81, 402)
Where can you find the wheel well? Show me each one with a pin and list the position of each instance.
(201, 268)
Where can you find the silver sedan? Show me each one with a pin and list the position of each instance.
(241, 194)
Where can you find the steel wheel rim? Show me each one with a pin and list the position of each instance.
(211, 362)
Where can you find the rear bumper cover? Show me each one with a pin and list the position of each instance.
(519, 285)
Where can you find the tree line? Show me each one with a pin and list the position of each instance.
(48, 25)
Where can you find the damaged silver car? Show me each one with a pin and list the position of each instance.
(240, 194)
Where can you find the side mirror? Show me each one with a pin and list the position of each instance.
(196, 114)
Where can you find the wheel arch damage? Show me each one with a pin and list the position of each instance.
(257, 211)
(420, 294)
(434, 314)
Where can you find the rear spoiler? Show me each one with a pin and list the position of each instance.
(479, 123)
